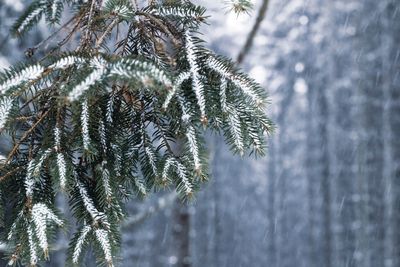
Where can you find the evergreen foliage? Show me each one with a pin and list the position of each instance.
(240, 6)
(101, 126)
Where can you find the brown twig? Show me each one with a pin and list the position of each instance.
(106, 32)
(64, 41)
(8, 174)
(164, 28)
(89, 23)
(26, 134)
(54, 34)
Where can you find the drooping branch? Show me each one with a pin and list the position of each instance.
(126, 124)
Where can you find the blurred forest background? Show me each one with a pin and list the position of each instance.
(328, 192)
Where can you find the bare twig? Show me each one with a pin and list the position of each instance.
(26, 134)
(54, 34)
(106, 32)
(164, 28)
(8, 174)
(89, 23)
(65, 40)
(250, 38)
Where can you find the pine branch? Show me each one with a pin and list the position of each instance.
(101, 126)
(5, 109)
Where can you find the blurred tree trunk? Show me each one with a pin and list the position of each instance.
(318, 177)
(392, 129)
(316, 76)
(342, 131)
(271, 214)
(181, 234)
(371, 90)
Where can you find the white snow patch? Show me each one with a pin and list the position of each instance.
(260, 40)
(17, 5)
(300, 86)
(4, 63)
(299, 67)
(258, 73)
(351, 30)
(303, 20)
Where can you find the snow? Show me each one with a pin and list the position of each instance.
(3, 63)
(300, 86)
(258, 73)
(17, 5)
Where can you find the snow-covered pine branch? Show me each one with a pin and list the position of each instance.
(67, 61)
(184, 187)
(99, 70)
(169, 163)
(242, 82)
(85, 125)
(193, 147)
(29, 182)
(152, 160)
(235, 129)
(31, 17)
(143, 71)
(188, 13)
(105, 244)
(62, 170)
(32, 246)
(103, 120)
(60, 159)
(177, 83)
(41, 216)
(14, 78)
(6, 104)
(105, 178)
(53, 13)
(123, 9)
(197, 83)
(52, 9)
(90, 207)
(140, 185)
(81, 239)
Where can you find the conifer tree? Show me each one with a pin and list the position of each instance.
(123, 113)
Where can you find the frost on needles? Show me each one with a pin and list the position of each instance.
(108, 120)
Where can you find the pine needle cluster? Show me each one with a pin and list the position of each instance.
(112, 119)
